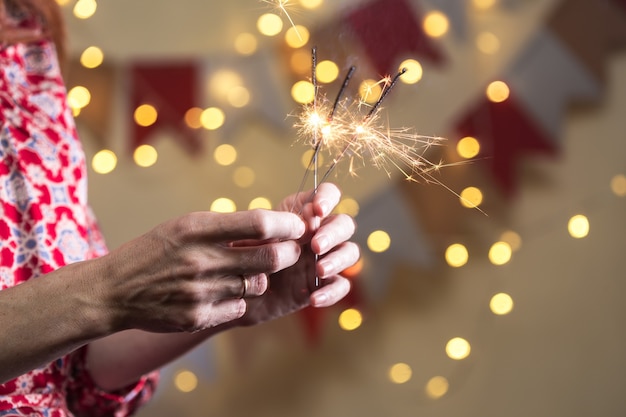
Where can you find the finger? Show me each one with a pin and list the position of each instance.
(211, 315)
(342, 257)
(333, 290)
(253, 285)
(335, 230)
(326, 199)
(253, 224)
(266, 258)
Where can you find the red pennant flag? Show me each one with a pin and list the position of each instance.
(390, 30)
(506, 134)
(171, 88)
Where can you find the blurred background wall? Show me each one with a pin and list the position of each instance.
(512, 306)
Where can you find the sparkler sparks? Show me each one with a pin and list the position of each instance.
(344, 130)
(282, 6)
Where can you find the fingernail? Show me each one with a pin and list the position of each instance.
(323, 243)
(326, 266)
(319, 298)
(324, 206)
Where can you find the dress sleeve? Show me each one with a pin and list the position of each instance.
(85, 399)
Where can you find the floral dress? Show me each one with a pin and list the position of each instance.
(45, 223)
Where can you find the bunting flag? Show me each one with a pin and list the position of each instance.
(172, 88)
(389, 31)
(560, 66)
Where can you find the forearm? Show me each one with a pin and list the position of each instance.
(121, 359)
(46, 318)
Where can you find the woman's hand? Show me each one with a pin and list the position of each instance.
(187, 274)
(327, 237)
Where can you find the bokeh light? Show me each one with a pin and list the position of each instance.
(370, 90)
(414, 71)
(400, 373)
(145, 115)
(297, 36)
(501, 304)
(468, 147)
(498, 91)
(185, 381)
(326, 71)
(145, 155)
(458, 348)
(578, 226)
(225, 154)
(471, 197)
(244, 177)
(350, 319)
(78, 97)
(192, 117)
(91, 57)
(306, 159)
(484, 4)
(456, 255)
(500, 253)
(378, 241)
(238, 96)
(436, 24)
(437, 387)
(348, 206)
(212, 118)
(618, 185)
(260, 203)
(303, 92)
(513, 239)
(311, 4)
(223, 205)
(269, 24)
(246, 43)
(104, 161)
(487, 43)
(84, 9)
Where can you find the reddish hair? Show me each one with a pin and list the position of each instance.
(48, 12)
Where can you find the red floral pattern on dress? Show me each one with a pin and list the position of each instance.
(46, 223)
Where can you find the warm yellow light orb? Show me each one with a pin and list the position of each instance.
(225, 154)
(244, 177)
(145, 115)
(348, 206)
(471, 197)
(414, 71)
(238, 97)
(468, 147)
(437, 387)
(223, 205)
(498, 91)
(185, 381)
(501, 304)
(513, 239)
(104, 161)
(222, 82)
(350, 319)
(484, 4)
(311, 4)
(400, 373)
(500, 253)
(487, 43)
(369, 91)
(78, 97)
(618, 185)
(378, 241)
(84, 9)
(306, 159)
(260, 203)
(456, 255)
(297, 36)
(91, 57)
(436, 24)
(269, 24)
(246, 43)
(303, 92)
(578, 226)
(145, 156)
(326, 71)
(192, 117)
(458, 348)
(212, 118)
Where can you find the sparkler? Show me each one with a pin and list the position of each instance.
(341, 128)
(282, 5)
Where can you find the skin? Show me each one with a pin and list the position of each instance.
(161, 294)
